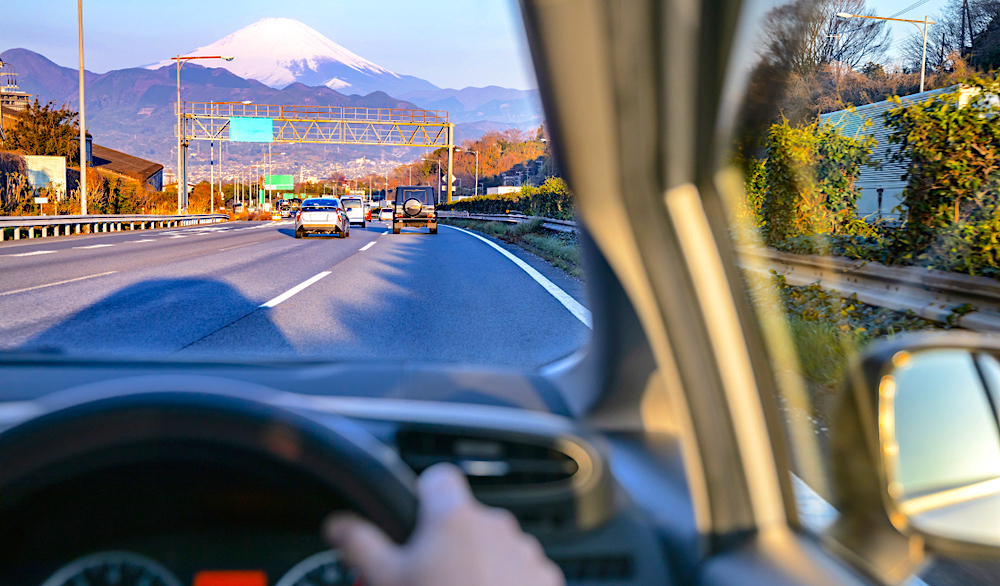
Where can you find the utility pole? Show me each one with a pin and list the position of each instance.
(83, 117)
(916, 23)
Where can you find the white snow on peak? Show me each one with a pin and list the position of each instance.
(273, 50)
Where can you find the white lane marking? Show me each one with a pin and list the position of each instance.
(284, 296)
(579, 311)
(57, 283)
(92, 246)
(143, 240)
(238, 246)
(367, 246)
(34, 253)
(387, 231)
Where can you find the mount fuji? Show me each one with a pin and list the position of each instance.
(281, 51)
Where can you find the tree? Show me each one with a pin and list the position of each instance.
(805, 34)
(45, 130)
(969, 29)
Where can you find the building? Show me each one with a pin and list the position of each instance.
(882, 187)
(502, 190)
(125, 165)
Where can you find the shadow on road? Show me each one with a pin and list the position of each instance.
(157, 318)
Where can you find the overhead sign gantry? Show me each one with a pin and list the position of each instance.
(239, 122)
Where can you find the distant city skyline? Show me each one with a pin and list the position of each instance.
(451, 43)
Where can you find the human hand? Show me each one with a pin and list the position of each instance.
(457, 542)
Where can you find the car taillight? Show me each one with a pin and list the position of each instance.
(298, 217)
(430, 214)
(399, 215)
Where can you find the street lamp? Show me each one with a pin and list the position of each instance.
(916, 23)
(83, 118)
(181, 159)
(477, 166)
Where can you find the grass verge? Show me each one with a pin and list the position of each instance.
(562, 250)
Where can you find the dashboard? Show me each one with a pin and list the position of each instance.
(177, 512)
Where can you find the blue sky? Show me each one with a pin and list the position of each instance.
(451, 43)
(902, 30)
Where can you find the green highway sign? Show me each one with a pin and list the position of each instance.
(279, 182)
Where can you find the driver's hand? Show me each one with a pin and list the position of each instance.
(457, 542)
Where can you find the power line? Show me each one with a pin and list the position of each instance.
(916, 4)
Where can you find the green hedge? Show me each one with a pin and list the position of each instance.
(808, 182)
(551, 199)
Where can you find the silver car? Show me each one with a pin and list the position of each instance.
(322, 215)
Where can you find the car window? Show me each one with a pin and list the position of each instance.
(423, 195)
(287, 110)
(867, 198)
(320, 203)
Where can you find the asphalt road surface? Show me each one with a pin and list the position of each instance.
(247, 289)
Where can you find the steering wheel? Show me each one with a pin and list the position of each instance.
(338, 454)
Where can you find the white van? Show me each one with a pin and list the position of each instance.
(355, 210)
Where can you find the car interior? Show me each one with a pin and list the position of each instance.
(656, 454)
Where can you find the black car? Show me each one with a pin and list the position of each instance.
(414, 209)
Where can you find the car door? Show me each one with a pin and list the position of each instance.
(644, 99)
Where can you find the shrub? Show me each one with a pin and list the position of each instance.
(809, 181)
(551, 199)
(952, 144)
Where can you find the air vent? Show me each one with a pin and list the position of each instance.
(596, 568)
(487, 462)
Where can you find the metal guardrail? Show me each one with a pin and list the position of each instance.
(66, 225)
(548, 223)
(931, 294)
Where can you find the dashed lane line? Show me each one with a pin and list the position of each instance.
(287, 294)
(238, 246)
(34, 253)
(92, 246)
(143, 240)
(56, 283)
(367, 246)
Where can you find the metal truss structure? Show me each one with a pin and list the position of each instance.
(325, 124)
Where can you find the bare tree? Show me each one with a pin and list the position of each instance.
(806, 34)
(967, 28)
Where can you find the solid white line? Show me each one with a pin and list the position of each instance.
(92, 246)
(284, 296)
(579, 311)
(143, 240)
(367, 246)
(34, 253)
(54, 284)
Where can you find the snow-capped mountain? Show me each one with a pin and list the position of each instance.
(281, 51)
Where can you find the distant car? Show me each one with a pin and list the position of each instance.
(368, 214)
(322, 215)
(385, 215)
(414, 209)
(355, 210)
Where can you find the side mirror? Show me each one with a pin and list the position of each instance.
(917, 435)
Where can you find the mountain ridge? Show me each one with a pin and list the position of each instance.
(281, 51)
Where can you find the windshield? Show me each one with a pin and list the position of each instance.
(182, 253)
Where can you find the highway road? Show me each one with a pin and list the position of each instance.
(250, 289)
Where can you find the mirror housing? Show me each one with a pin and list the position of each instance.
(915, 448)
